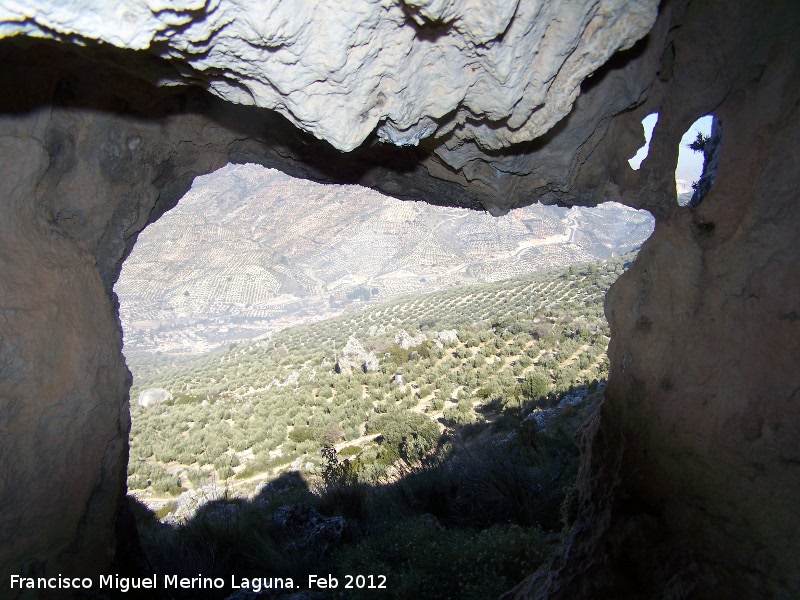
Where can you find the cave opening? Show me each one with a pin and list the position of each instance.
(266, 318)
(648, 123)
(698, 154)
(691, 180)
(370, 247)
(705, 334)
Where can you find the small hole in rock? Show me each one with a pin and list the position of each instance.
(696, 149)
(649, 123)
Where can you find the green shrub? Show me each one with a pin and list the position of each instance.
(421, 560)
(411, 434)
(166, 509)
(224, 473)
(302, 433)
(342, 489)
(535, 385)
(437, 403)
(137, 482)
(455, 416)
(350, 451)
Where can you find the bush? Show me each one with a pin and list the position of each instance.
(455, 416)
(198, 477)
(535, 386)
(411, 434)
(424, 561)
(168, 508)
(350, 451)
(302, 433)
(333, 434)
(137, 482)
(342, 489)
(225, 472)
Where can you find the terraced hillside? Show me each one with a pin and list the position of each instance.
(251, 250)
(465, 359)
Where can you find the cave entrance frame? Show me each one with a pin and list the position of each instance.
(223, 205)
(89, 171)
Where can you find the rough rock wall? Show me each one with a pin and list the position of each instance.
(63, 438)
(456, 77)
(340, 69)
(64, 419)
(690, 469)
(690, 463)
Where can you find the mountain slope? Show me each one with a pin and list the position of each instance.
(256, 249)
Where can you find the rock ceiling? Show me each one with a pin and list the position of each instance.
(688, 482)
(496, 72)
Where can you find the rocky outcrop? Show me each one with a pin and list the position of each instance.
(190, 501)
(153, 397)
(307, 531)
(406, 341)
(354, 356)
(448, 336)
(688, 477)
(363, 86)
(685, 468)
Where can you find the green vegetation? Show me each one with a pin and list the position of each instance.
(467, 521)
(465, 563)
(254, 408)
(448, 482)
(699, 143)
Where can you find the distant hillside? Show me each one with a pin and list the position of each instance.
(250, 250)
(461, 352)
(437, 425)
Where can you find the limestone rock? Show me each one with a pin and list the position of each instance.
(689, 469)
(405, 340)
(190, 501)
(376, 330)
(354, 356)
(543, 418)
(344, 69)
(573, 399)
(308, 531)
(685, 467)
(448, 336)
(153, 397)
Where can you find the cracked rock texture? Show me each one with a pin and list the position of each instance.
(689, 474)
(342, 68)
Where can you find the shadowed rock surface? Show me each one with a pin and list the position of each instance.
(344, 69)
(689, 474)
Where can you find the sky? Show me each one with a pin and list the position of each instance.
(690, 163)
